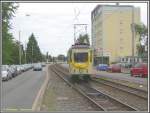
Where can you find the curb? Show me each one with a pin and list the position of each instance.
(38, 100)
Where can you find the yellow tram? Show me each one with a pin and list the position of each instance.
(80, 60)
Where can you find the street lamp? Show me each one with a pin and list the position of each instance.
(20, 50)
(25, 52)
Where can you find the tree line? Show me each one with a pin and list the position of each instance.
(11, 47)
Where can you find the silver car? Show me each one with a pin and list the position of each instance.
(6, 74)
(37, 67)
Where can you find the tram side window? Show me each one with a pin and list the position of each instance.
(80, 57)
(70, 56)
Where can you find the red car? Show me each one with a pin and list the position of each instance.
(140, 69)
(115, 68)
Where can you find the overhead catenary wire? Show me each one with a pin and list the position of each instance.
(75, 18)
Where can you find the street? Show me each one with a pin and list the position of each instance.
(21, 91)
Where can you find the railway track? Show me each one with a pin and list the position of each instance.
(134, 91)
(67, 81)
(103, 101)
(132, 99)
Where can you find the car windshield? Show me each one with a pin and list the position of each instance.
(81, 57)
(116, 65)
(37, 65)
(103, 65)
(137, 65)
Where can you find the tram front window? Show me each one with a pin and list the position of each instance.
(80, 57)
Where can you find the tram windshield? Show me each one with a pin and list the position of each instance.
(81, 57)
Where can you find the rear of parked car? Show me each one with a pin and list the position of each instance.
(37, 67)
(140, 69)
(115, 68)
(102, 67)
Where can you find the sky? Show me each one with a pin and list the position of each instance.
(52, 23)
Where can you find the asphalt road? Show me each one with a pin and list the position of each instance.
(21, 91)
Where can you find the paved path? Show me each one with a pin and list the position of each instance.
(21, 91)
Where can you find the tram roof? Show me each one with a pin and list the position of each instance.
(80, 46)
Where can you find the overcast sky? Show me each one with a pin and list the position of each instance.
(52, 23)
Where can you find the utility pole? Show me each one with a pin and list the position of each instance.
(19, 49)
(117, 3)
(74, 34)
(102, 55)
(32, 53)
(1, 62)
(25, 53)
(47, 57)
(133, 31)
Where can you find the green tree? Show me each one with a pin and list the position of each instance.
(44, 58)
(50, 58)
(83, 39)
(61, 57)
(15, 52)
(33, 51)
(8, 11)
(142, 31)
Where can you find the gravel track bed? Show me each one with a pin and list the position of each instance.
(60, 97)
(125, 97)
(109, 104)
(136, 91)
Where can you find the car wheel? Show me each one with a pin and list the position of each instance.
(131, 74)
(7, 78)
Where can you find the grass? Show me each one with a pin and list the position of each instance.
(49, 101)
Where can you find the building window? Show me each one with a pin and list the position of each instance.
(121, 22)
(121, 47)
(121, 39)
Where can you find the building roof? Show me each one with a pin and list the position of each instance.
(80, 46)
(98, 6)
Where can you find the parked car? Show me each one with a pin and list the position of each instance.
(13, 70)
(18, 69)
(37, 67)
(140, 69)
(6, 75)
(43, 64)
(115, 68)
(102, 67)
(22, 68)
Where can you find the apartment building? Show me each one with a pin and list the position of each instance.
(112, 33)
